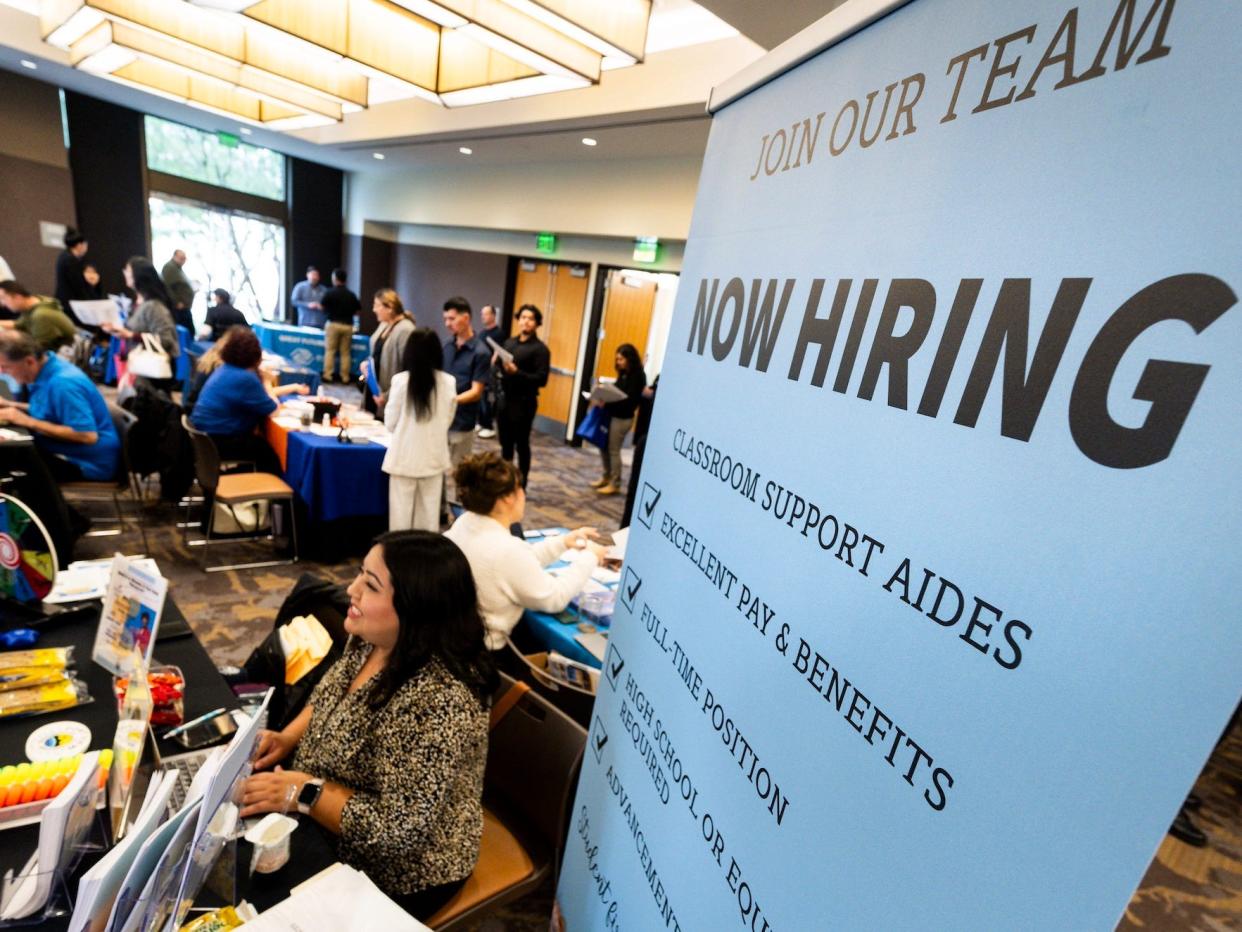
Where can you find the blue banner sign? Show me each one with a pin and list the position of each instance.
(929, 618)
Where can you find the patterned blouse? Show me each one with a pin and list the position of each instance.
(416, 768)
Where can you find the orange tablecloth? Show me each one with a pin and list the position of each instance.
(278, 440)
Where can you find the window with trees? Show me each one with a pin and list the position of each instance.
(223, 203)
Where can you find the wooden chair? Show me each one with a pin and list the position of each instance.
(235, 489)
(533, 758)
(111, 489)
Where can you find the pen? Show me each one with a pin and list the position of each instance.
(173, 732)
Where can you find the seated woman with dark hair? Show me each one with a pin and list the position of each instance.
(509, 572)
(389, 753)
(234, 401)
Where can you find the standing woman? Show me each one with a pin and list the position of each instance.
(520, 381)
(419, 408)
(387, 344)
(151, 313)
(631, 379)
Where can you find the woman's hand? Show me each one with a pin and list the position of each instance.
(272, 792)
(510, 368)
(579, 537)
(274, 746)
(300, 388)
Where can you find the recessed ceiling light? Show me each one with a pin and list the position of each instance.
(378, 155)
(588, 141)
(245, 130)
(465, 150)
(27, 63)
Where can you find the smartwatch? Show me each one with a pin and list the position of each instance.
(309, 795)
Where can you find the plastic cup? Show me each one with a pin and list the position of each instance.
(271, 842)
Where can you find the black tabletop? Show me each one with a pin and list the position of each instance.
(205, 689)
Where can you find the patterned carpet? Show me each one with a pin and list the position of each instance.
(1185, 888)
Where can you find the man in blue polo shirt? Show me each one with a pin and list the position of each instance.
(66, 414)
(469, 364)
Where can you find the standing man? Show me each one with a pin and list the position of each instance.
(222, 315)
(487, 404)
(469, 365)
(72, 428)
(520, 383)
(38, 315)
(307, 297)
(179, 290)
(70, 282)
(339, 307)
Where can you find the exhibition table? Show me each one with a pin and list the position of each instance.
(303, 346)
(176, 645)
(556, 632)
(333, 479)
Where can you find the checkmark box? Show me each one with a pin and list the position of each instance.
(613, 664)
(647, 504)
(599, 737)
(630, 584)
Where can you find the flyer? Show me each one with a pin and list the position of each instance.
(130, 617)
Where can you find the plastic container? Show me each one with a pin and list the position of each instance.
(167, 685)
(271, 842)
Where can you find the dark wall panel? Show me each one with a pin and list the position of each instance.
(30, 192)
(109, 188)
(316, 202)
(425, 276)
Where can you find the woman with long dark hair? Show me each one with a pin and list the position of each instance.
(151, 312)
(631, 379)
(419, 407)
(389, 753)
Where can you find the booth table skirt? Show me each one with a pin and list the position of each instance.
(303, 346)
(336, 480)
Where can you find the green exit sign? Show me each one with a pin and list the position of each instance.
(545, 243)
(646, 249)
(228, 140)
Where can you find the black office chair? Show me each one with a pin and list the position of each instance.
(124, 480)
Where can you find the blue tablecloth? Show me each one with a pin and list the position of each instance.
(303, 346)
(337, 480)
(552, 634)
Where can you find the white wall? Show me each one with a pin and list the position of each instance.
(637, 197)
(616, 251)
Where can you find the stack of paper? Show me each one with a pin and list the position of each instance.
(88, 579)
(338, 898)
(99, 886)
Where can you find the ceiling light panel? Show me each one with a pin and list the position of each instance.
(303, 62)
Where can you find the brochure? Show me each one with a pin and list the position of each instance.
(131, 614)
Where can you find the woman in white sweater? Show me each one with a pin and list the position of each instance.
(419, 408)
(509, 572)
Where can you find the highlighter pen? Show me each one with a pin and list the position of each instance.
(173, 732)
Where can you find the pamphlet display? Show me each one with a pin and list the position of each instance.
(928, 618)
(131, 615)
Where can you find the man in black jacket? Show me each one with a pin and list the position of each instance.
(339, 307)
(520, 382)
(223, 315)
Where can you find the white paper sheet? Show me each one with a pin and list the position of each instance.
(338, 898)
